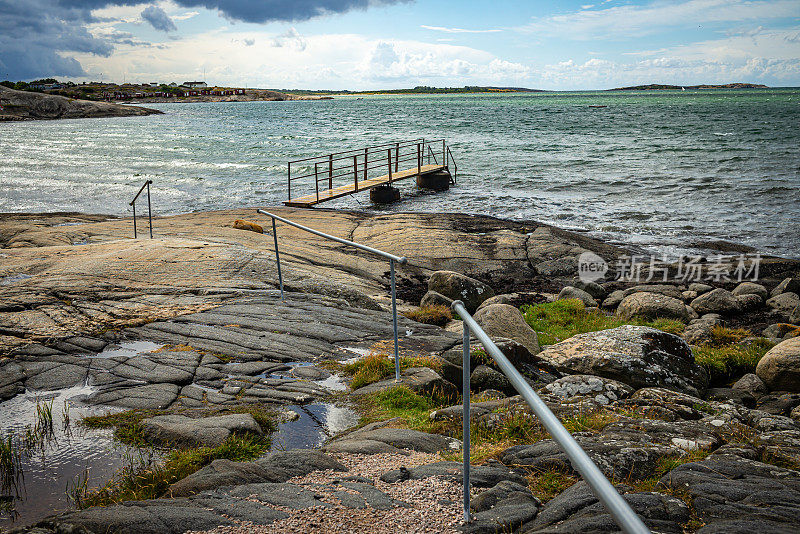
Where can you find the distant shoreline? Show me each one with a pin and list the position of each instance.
(661, 87)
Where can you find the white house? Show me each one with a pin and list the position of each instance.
(193, 85)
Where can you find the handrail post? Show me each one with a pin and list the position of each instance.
(330, 171)
(389, 153)
(419, 159)
(289, 183)
(396, 156)
(355, 172)
(465, 427)
(277, 255)
(316, 179)
(444, 157)
(135, 236)
(366, 151)
(394, 324)
(149, 209)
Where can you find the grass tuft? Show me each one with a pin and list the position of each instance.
(435, 314)
(727, 362)
(379, 365)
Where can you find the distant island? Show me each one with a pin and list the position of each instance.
(657, 86)
(26, 105)
(421, 90)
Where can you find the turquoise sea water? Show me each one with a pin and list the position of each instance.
(661, 169)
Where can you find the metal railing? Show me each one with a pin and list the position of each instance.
(355, 166)
(391, 257)
(149, 208)
(619, 509)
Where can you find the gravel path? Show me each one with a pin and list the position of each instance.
(434, 503)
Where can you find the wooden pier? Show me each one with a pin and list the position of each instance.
(322, 178)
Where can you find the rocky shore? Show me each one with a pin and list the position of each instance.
(25, 105)
(687, 395)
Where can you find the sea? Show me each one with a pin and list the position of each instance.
(663, 170)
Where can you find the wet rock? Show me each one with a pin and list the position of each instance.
(784, 303)
(779, 368)
(751, 384)
(726, 488)
(502, 508)
(502, 320)
(635, 355)
(481, 476)
(370, 441)
(566, 266)
(578, 510)
(456, 286)
(484, 377)
(788, 285)
(181, 431)
(423, 380)
(274, 467)
(651, 306)
(570, 292)
(601, 390)
(751, 288)
(433, 298)
(716, 301)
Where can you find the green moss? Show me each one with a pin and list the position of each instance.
(378, 366)
(562, 319)
(727, 362)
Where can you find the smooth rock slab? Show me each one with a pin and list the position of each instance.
(367, 442)
(481, 476)
(502, 508)
(181, 431)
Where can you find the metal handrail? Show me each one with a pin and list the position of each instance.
(455, 167)
(391, 257)
(605, 492)
(149, 208)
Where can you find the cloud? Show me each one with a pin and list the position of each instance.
(186, 16)
(33, 33)
(290, 38)
(158, 19)
(457, 30)
(638, 20)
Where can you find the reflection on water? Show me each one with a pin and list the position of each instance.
(316, 424)
(70, 452)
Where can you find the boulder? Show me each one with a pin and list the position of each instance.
(502, 320)
(778, 330)
(456, 286)
(497, 299)
(751, 384)
(780, 366)
(570, 292)
(794, 317)
(778, 403)
(662, 289)
(613, 300)
(700, 288)
(749, 302)
(728, 395)
(751, 288)
(689, 296)
(502, 508)
(651, 306)
(181, 431)
(789, 285)
(593, 288)
(784, 303)
(484, 377)
(433, 298)
(635, 355)
(423, 380)
(716, 301)
(601, 390)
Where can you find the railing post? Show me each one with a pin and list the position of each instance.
(355, 172)
(444, 157)
(396, 156)
(277, 255)
(465, 427)
(134, 219)
(289, 183)
(149, 209)
(316, 179)
(394, 324)
(366, 151)
(389, 153)
(330, 171)
(419, 159)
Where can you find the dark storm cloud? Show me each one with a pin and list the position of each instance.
(36, 36)
(158, 19)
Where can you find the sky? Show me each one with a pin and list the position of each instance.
(383, 44)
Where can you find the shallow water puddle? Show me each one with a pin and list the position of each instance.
(316, 424)
(13, 279)
(67, 454)
(127, 349)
